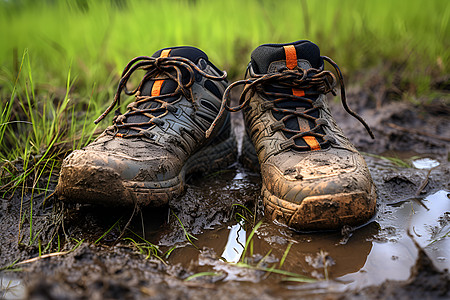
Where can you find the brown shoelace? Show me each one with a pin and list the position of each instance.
(163, 68)
(313, 81)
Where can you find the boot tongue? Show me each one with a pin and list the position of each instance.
(270, 58)
(154, 87)
(157, 86)
(191, 53)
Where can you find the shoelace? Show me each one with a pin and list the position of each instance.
(313, 81)
(155, 67)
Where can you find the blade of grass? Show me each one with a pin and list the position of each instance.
(202, 274)
(104, 234)
(250, 236)
(188, 236)
(277, 271)
(285, 254)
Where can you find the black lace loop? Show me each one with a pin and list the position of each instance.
(169, 68)
(319, 81)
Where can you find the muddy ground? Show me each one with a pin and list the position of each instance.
(404, 252)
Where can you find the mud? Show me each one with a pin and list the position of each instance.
(403, 252)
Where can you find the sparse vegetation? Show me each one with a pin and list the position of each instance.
(262, 264)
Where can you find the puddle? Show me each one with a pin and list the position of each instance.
(430, 225)
(379, 251)
(235, 244)
(393, 253)
(11, 288)
(425, 163)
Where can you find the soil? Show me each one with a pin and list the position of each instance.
(402, 253)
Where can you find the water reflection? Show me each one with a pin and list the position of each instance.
(431, 227)
(235, 243)
(394, 253)
(346, 253)
(11, 288)
(425, 163)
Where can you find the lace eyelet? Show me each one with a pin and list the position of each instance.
(286, 144)
(278, 125)
(322, 122)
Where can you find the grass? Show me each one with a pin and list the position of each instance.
(288, 248)
(247, 261)
(260, 266)
(11, 267)
(145, 247)
(202, 274)
(101, 36)
(32, 148)
(189, 237)
(108, 231)
(398, 162)
(249, 243)
(11, 288)
(242, 213)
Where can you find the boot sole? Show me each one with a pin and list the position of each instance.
(103, 186)
(325, 212)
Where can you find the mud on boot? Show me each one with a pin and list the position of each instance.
(313, 178)
(144, 157)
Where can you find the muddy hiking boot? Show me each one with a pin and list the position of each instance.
(312, 176)
(145, 156)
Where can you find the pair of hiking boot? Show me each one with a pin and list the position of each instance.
(179, 123)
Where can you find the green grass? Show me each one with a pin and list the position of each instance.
(189, 237)
(36, 130)
(396, 161)
(99, 37)
(202, 274)
(260, 266)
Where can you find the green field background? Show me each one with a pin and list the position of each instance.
(99, 37)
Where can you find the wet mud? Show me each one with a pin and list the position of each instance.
(204, 244)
